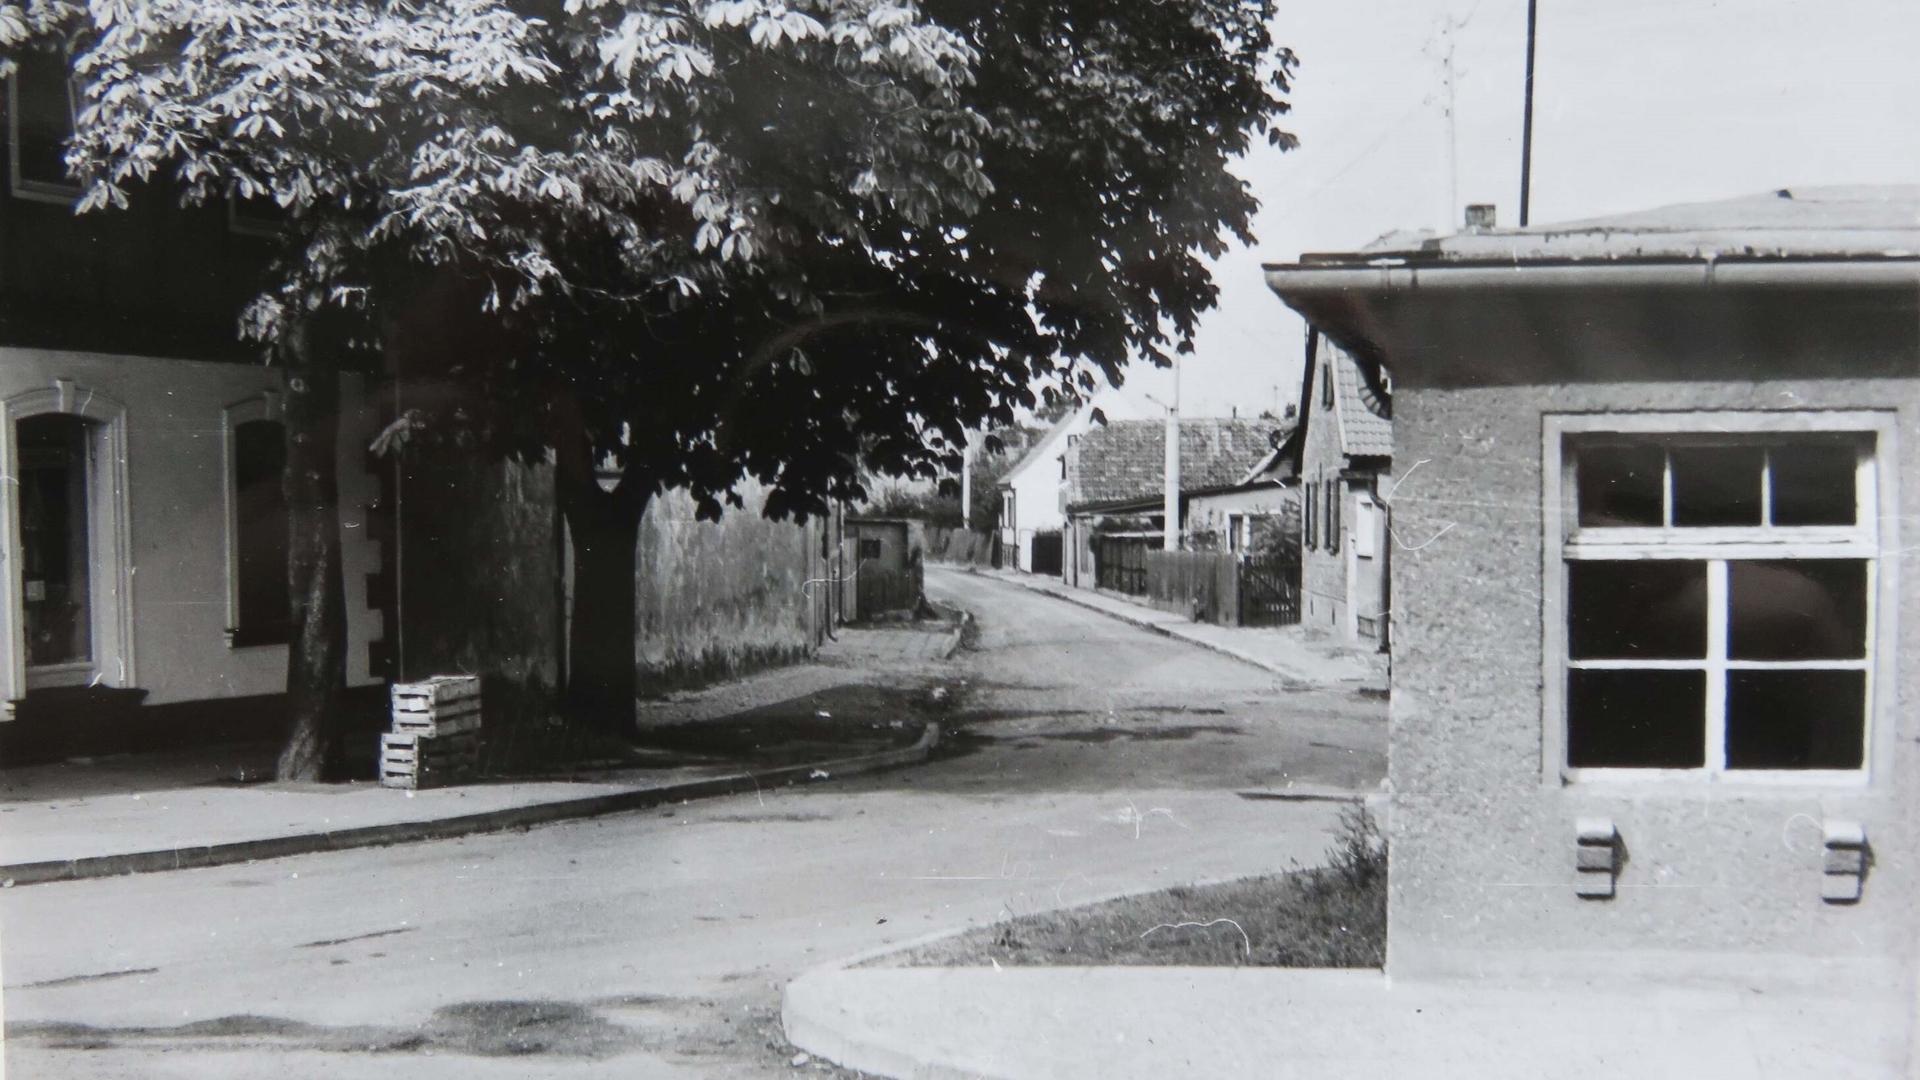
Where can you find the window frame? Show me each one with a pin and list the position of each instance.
(265, 406)
(110, 543)
(1871, 538)
(32, 190)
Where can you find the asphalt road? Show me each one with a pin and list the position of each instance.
(1090, 758)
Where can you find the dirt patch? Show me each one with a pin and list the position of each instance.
(1332, 916)
(1111, 734)
(477, 1028)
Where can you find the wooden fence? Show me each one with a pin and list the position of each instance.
(1203, 585)
(1220, 588)
(961, 547)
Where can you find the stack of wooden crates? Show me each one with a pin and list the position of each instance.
(435, 739)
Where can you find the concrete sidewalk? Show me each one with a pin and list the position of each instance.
(207, 806)
(1144, 1022)
(1284, 650)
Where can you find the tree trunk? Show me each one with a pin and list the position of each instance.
(601, 686)
(317, 657)
(605, 528)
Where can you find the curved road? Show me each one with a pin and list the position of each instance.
(1090, 758)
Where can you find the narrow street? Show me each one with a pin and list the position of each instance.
(1085, 758)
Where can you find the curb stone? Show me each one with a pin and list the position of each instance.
(959, 635)
(241, 851)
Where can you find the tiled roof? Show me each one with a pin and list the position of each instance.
(1126, 459)
(1365, 430)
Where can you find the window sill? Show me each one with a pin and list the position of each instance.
(41, 191)
(1694, 783)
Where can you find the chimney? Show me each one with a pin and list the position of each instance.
(1480, 217)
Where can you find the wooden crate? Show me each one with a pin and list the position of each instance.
(439, 692)
(413, 759)
(452, 722)
(444, 705)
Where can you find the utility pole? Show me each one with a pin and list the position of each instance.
(1526, 123)
(1171, 527)
(966, 484)
(1450, 219)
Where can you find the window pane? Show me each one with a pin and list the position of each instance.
(1637, 610)
(56, 593)
(1798, 609)
(1796, 719)
(44, 99)
(1813, 482)
(1636, 719)
(1717, 485)
(1620, 485)
(259, 463)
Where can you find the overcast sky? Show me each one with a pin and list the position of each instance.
(1638, 103)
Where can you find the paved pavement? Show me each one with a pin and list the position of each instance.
(1287, 651)
(1126, 1023)
(655, 944)
(135, 812)
(1094, 703)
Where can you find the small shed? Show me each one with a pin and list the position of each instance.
(884, 574)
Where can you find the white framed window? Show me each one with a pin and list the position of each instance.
(1717, 607)
(66, 596)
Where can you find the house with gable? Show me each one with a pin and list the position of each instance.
(1345, 466)
(1033, 501)
(1261, 512)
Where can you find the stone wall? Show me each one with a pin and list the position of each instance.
(1483, 835)
(721, 598)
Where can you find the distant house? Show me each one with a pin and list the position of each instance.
(1033, 496)
(1654, 656)
(1260, 513)
(1345, 464)
(1115, 492)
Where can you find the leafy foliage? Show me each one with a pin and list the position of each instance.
(787, 239)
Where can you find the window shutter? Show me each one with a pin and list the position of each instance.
(1333, 515)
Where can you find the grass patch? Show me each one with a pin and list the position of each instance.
(1329, 916)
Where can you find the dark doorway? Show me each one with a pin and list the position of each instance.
(1047, 549)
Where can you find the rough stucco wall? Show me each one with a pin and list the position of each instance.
(720, 597)
(1482, 845)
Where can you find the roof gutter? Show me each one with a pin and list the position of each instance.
(1302, 280)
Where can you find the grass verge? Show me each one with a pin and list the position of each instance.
(1329, 916)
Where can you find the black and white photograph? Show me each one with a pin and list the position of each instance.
(959, 539)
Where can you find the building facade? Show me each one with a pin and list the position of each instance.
(1654, 621)
(1346, 475)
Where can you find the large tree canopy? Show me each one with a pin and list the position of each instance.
(712, 239)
